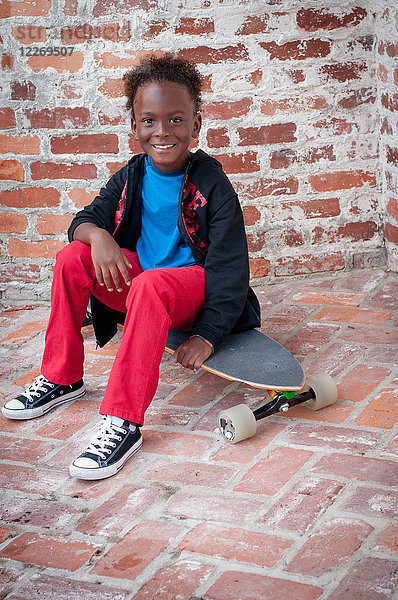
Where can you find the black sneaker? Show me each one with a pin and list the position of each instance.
(108, 450)
(40, 397)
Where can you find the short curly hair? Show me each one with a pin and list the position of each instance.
(160, 69)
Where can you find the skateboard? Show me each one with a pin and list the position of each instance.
(253, 358)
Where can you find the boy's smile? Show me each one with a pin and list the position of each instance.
(164, 122)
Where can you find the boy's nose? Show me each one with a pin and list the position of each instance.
(161, 129)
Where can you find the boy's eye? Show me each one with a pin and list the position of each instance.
(147, 121)
(176, 119)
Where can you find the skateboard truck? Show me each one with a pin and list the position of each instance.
(240, 422)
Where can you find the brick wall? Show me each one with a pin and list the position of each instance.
(297, 98)
(387, 75)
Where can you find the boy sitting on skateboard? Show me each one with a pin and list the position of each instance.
(162, 246)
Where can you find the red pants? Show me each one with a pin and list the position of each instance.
(156, 301)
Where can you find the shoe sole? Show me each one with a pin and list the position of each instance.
(104, 472)
(31, 413)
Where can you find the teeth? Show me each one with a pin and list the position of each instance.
(169, 146)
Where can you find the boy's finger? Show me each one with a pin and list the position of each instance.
(116, 279)
(124, 273)
(107, 280)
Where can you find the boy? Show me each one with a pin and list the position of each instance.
(163, 246)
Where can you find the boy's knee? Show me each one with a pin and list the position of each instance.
(73, 254)
(149, 284)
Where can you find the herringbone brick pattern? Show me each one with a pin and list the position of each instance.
(304, 510)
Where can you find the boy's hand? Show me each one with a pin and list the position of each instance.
(192, 353)
(108, 258)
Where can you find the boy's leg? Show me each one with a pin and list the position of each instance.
(159, 300)
(62, 365)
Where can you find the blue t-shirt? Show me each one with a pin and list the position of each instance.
(160, 244)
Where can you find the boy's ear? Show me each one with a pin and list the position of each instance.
(134, 128)
(197, 125)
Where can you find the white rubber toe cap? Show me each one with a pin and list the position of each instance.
(14, 404)
(82, 462)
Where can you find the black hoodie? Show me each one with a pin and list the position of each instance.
(210, 221)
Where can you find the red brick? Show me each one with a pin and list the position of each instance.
(111, 517)
(61, 588)
(13, 223)
(12, 170)
(250, 586)
(270, 475)
(23, 90)
(50, 170)
(384, 355)
(267, 134)
(9, 576)
(312, 19)
(81, 197)
(178, 580)
(206, 55)
(297, 50)
(388, 540)
(254, 24)
(71, 419)
(325, 436)
(382, 411)
(187, 473)
(329, 547)
(392, 208)
(7, 118)
(78, 34)
(217, 138)
(112, 88)
(341, 180)
(70, 63)
(294, 104)
(176, 444)
(246, 451)
(360, 381)
(355, 98)
(25, 273)
(300, 265)
(50, 224)
(49, 551)
(329, 298)
(259, 267)
(355, 232)
(23, 450)
(132, 554)
(31, 197)
(390, 102)
(194, 26)
(285, 319)
(28, 8)
(45, 249)
(343, 72)
(373, 502)
(239, 163)
(251, 215)
(227, 110)
(58, 118)
(310, 338)
(235, 544)
(353, 315)
(386, 298)
(32, 480)
(29, 34)
(38, 512)
(335, 413)
(4, 534)
(168, 417)
(365, 335)
(391, 233)
(210, 507)
(300, 507)
(282, 159)
(23, 334)
(154, 27)
(370, 579)
(85, 144)
(110, 7)
(261, 188)
(360, 468)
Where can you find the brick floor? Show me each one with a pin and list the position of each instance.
(306, 509)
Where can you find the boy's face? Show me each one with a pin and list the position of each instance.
(164, 122)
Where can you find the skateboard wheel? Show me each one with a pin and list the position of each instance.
(325, 391)
(237, 423)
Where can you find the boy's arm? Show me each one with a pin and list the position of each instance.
(108, 258)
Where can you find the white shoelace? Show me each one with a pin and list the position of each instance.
(106, 432)
(40, 384)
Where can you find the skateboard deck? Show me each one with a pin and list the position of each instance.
(250, 357)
